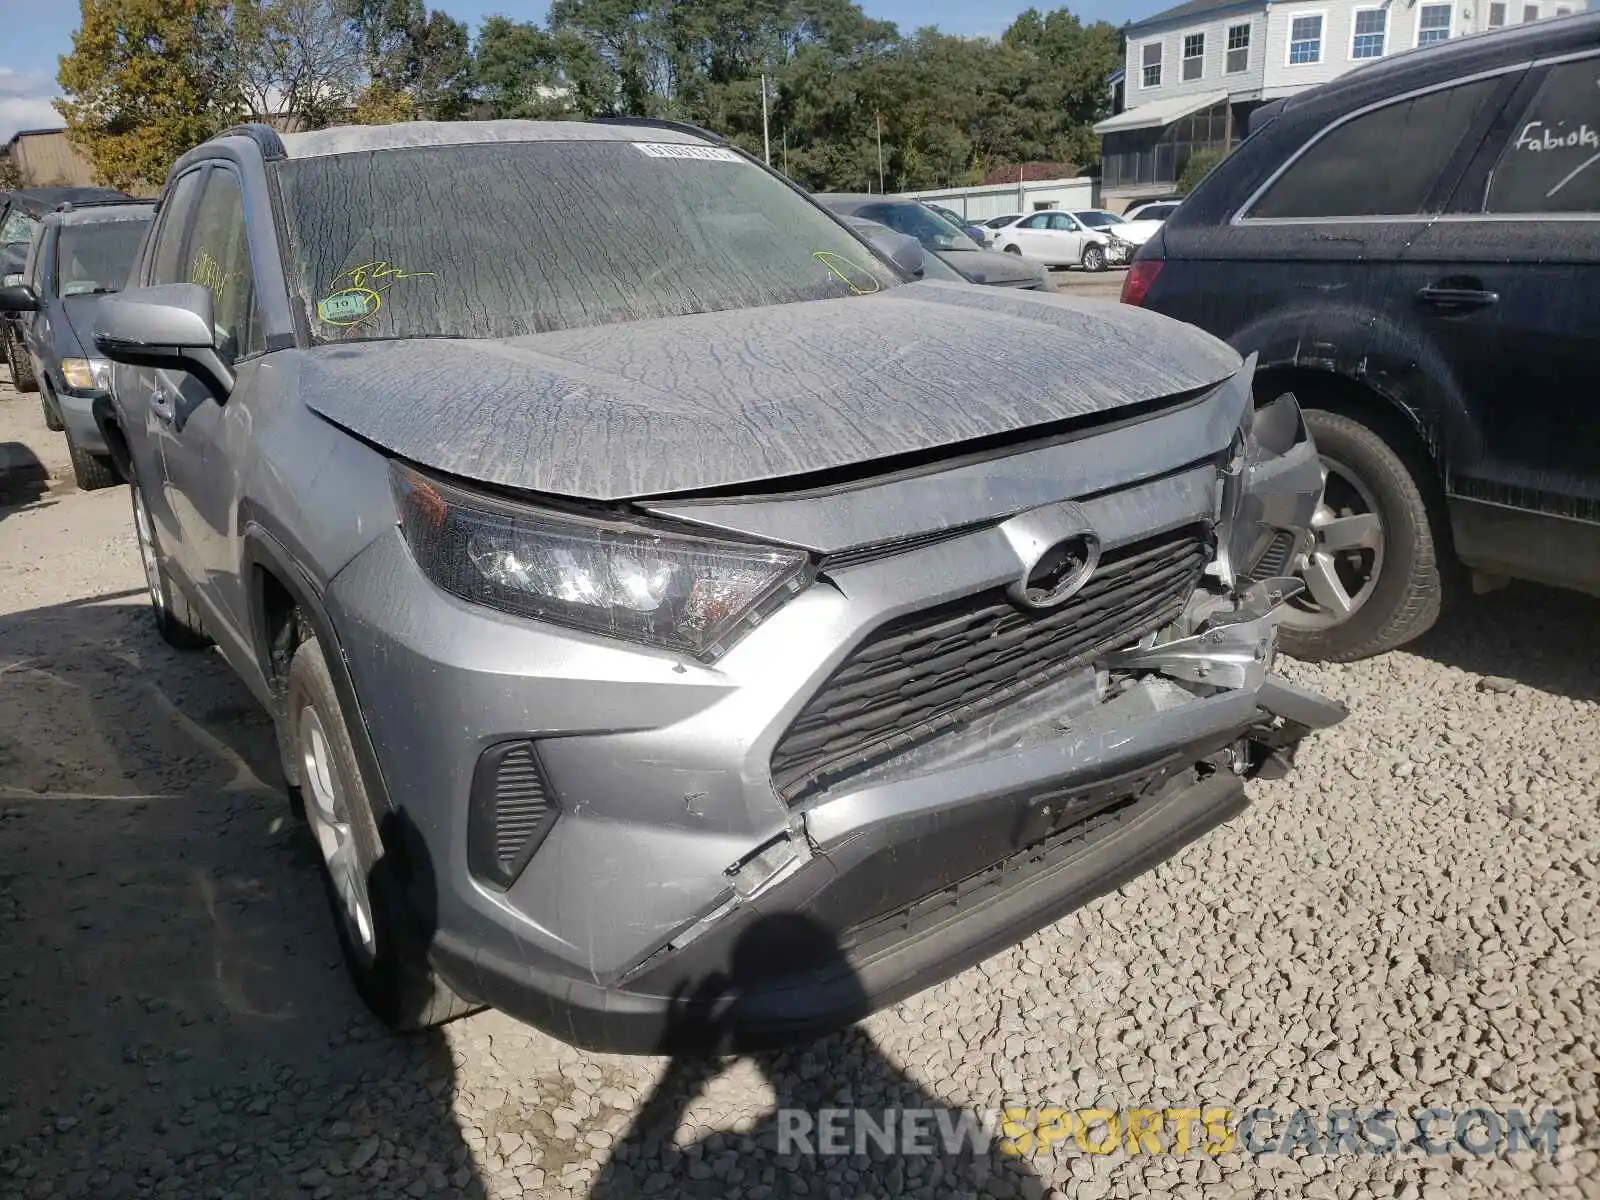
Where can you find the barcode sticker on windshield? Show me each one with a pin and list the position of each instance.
(679, 150)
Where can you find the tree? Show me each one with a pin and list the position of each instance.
(1196, 169)
(147, 80)
(413, 52)
(300, 60)
(10, 174)
(518, 69)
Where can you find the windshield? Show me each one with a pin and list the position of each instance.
(491, 241)
(97, 256)
(1095, 219)
(919, 221)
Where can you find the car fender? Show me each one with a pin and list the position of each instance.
(1356, 343)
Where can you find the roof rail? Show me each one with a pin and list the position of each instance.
(263, 135)
(67, 206)
(659, 123)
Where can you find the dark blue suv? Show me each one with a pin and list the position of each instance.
(1414, 251)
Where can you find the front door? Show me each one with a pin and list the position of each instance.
(206, 435)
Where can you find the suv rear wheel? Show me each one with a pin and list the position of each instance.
(177, 623)
(90, 471)
(1372, 576)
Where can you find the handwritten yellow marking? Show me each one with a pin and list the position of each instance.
(381, 269)
(371, 280)
(838, 264)
(207, 271)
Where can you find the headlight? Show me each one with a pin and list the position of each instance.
(86, 374)
(667, 589)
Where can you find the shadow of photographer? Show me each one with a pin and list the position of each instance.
(847, 1119)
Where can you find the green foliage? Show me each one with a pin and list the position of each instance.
(147, 80)
(1197, 168)
(10, 174)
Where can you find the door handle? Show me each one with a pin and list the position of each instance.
(161, 405)
(1457, 297)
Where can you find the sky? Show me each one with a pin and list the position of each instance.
(35, 33)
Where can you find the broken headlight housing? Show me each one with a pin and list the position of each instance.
(627, 580)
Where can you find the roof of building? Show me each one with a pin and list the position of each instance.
(1192, 9)
(22, 133)
(1159, 112)
(347, 139)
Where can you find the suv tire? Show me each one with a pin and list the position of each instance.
(1405, 598)
(176, 621)
(1094, 258)
(52, 419)
(370, 878)
(20, 364)
(91, 472)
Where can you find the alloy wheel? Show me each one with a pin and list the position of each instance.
(1094, 258)
(1345, 561)
(330, 825)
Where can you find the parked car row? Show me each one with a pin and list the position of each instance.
(626, 591)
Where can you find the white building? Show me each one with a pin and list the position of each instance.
(1193, 73)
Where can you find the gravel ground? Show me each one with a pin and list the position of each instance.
(1410, 919)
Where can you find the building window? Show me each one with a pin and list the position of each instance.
(1563, 12)
(1151, 61)
(1238, 49)
(1433, 23)
(1305, 40)
(1371, 30)
(1530, 12)
(1497, 15)
(1194, 56)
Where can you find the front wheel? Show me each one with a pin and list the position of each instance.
(1372, 577)
(375, 881)
(1094, 259)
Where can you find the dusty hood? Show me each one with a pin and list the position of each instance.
(729, 398)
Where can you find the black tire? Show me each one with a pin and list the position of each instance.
(52, 420)
(1406, 598)
(176, 620)
(1013, 249)
(20, 364)
(394, 977)
(1094, 258)
(91, 472)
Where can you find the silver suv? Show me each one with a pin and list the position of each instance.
(620, 574)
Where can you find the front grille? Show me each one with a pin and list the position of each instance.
(924, 674)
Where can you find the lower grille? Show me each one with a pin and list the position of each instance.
(926, 673)
(512, 811)
(1274, 559)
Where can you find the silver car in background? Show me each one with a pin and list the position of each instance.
(631, 585)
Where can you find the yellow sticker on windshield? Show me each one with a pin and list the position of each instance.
(853, 275)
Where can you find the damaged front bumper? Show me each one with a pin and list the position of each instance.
(691, 877)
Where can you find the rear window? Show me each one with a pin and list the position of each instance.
(96, 257)
(1551, 162)
(1381, 163)
(504, 240)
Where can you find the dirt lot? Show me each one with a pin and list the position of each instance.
(1413, 919)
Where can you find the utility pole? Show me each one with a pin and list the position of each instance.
(766, 141)
(879, 115)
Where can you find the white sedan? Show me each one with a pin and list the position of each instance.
(1092, 239)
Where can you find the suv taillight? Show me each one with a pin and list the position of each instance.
(1141, 274)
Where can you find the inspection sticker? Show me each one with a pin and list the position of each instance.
(679, 150)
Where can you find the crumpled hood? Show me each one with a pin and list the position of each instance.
(722, 399)
(991, 266)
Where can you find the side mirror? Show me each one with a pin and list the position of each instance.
(17, 297)
(902, 250)
(168, 326)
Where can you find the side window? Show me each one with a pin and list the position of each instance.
(1551, 164)
(166, 262)
(38, 254)
(219, 258)
(1037, 221)
(1413, 138)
